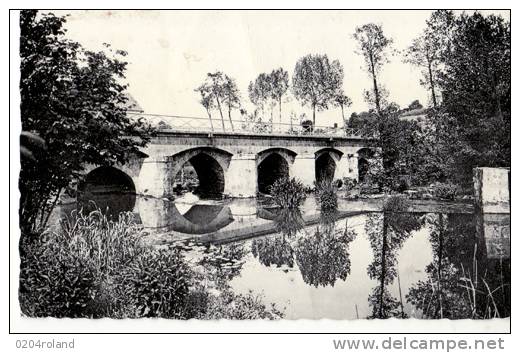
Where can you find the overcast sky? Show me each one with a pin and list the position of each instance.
(170, 52)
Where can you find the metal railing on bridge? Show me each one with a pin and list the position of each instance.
(198, 124)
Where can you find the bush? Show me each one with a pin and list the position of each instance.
(400, 184)
(327, 194)
(445, 191)
(93, 267)
(288, 193)
(396, 204)
(156, 284)
(348, 185)
(229, 305)
(54, 283)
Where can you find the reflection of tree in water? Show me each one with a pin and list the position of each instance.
(222, 263)
(461, 282)
(277, 250)
(289, 221)
(387, 233)
(324, 257)
(273, 250)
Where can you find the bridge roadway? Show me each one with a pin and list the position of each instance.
(234, 164)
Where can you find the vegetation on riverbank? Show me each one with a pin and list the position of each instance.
(93, 267)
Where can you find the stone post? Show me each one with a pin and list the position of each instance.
(492, 206)
(491, 190)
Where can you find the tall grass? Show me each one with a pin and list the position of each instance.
(479, 297)
(94, 267)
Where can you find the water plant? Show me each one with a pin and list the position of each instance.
(327, 194)
(288, 192)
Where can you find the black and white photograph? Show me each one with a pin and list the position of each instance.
(274, 165)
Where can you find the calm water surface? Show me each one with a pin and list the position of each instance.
(354, 262)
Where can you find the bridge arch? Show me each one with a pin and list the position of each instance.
(168, 216)
(210, 165)
(108, 188)
(273, 164)
(325, 164)
(365, 155)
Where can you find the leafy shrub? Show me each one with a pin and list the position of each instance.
(395, 204)
(400, 184)
(70, 270)
(288, 193)
(445, 191)
(229, 305)
(94, 267)
(54, 283)
(156, 284)
(326, 191)
(349, 183)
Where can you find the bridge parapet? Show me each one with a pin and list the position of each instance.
(176, 123)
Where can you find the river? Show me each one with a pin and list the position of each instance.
(436, 260)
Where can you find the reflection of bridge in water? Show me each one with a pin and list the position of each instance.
(165, 216)
(220, 222)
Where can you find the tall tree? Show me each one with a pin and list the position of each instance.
(231, 96)
(316, 81)
(206, 100)
(374, 47)
(341, 100)
(215, 82)
(476, 86)
(427, 50)
(260, 91)
(74, 100)
(279, 86)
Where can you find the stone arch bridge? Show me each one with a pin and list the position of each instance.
(234, 164)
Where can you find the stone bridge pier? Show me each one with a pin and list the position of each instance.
(239, 165)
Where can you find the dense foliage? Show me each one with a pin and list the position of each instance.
(73, 99)
(467, 59)
(288, 192)
(317, 82)
(476, 86)
(327, 194)
(93, 267)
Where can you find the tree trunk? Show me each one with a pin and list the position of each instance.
(210, 120)
(230, 120)
(376, 89)
(313, 116)
(280, 111)
(432, 84)
(383, 266)
(343, 116)
(221, 116)
(271, 119)
(439, 259)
